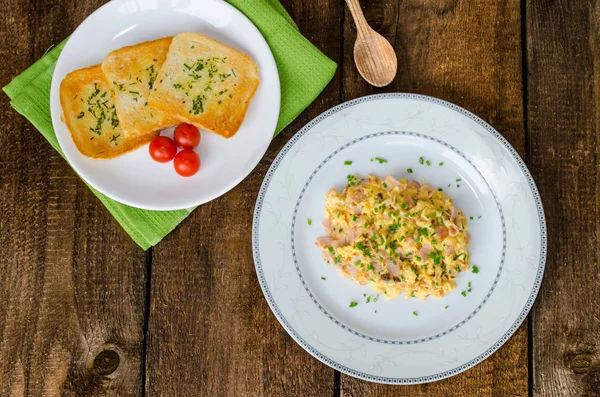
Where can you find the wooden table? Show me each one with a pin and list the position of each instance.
(84, 311)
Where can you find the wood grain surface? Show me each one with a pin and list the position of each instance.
(84, 312)
(563, 43)
(72, 282)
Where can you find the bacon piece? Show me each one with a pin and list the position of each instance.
(392, 268)
(425, 251)
(441, 232)
(414, 184)
(324, 241)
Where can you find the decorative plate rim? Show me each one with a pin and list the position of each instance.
(381, 379)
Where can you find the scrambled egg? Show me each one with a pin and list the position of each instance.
(395, 235)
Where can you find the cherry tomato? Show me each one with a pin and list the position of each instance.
(186, 136)
(187, 162)
(162, 149)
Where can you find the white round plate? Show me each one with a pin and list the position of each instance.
(384, 341)
(134, 178)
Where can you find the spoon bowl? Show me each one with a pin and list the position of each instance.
(374, 56)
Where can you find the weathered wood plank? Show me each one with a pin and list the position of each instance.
(563, 60)
(468, 53)
(71, 280)
(211, 331)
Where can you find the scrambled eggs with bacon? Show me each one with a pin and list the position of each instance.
(395, 235)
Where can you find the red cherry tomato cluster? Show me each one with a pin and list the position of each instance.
(164, 149)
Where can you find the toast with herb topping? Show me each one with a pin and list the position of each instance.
(91, 116)
(205, 83)
(131, 72)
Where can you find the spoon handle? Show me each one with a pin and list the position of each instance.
(359, 18)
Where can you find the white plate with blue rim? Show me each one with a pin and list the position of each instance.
(383, 340)
(134, 178)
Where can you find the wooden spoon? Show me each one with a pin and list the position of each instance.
(374, 56)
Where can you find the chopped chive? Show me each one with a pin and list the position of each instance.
(421, 160)
(440, 189)
(459, 180)
(446, 307)
(410, 171)
(475, 269)
(309, 221)
(331, 250)
(380, 160)
(415, 314)
(464, 293)
(354, 218)
(457, 185)
(347, 162)
(441, 164)
(471, 218)
(428, 163)
(323, 278)
(353, 304)
(479, 217)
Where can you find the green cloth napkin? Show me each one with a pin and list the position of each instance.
(303, 70)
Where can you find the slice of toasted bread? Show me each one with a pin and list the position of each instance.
(91, 116)
(205, 83)
(132, 72)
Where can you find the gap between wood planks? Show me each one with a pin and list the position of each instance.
(148, 285)
(525, 83)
